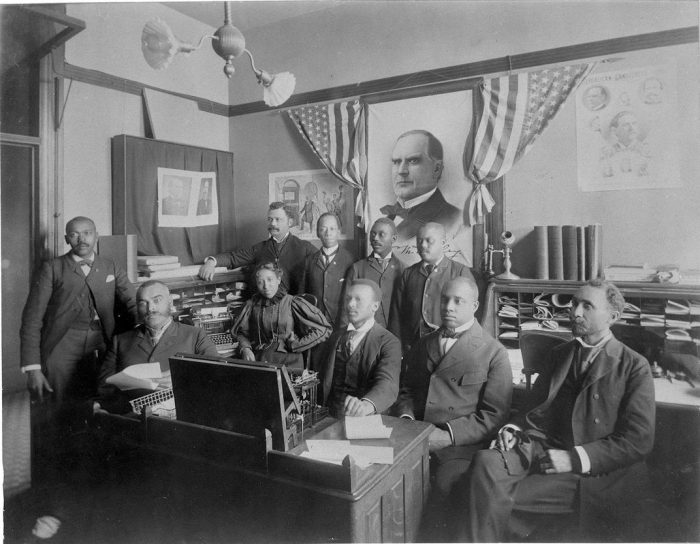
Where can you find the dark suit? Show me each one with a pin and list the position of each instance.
(378, 367)
(612, 419)
(436, 209)
(135, 347)
(369, 268)
(415, 304)
(327, 283)
(290, 255)
(55, 300)
(468, 388)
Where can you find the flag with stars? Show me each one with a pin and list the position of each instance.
(336, 133)
(511, 111)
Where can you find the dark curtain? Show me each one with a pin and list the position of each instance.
(135, 202)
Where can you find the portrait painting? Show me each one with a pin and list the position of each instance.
(310, 193)
(187, 198)
(415, 172)
(626, 130)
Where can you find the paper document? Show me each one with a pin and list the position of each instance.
(141, 376)
(365, 427)
(334, 451)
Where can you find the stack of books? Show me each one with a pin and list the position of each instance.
(642, 273)
(159, 267)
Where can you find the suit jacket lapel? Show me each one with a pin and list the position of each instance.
(603, 362)
(463, 346)
(144, 341)
(374, 264)
(559, 375)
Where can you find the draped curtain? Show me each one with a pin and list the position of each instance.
(336, 133)
(510, 113)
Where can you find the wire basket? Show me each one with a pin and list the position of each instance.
(161, 402)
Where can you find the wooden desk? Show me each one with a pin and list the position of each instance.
(303, 500)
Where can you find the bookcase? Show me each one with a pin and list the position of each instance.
(672, 312)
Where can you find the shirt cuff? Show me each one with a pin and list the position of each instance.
(27, 368)
(584, 459)
(210, 258)
(373, 405)
(449, 430)
(407, 416)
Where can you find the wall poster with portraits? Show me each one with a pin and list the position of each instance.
(626, 124)
(186, 198)
(407, 179)
(311, 193)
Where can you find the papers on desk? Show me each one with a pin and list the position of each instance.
(334, 451)
(357, 428)
(515, 356)
(142, 376)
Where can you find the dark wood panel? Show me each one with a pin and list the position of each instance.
(373, 524)
(393, 513)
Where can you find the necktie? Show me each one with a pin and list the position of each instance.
(585, 356)
(382, 262)
(429, 268)
(394, 210)
(349, 337)
(85, 263)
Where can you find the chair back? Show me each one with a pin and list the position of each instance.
(535, 347)
(643, 341)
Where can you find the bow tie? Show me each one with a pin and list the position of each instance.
(394, 210)
(446, 332)
(85, 263)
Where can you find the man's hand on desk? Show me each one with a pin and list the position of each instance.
(247, 354)
(356, 408)
(206, 271)
(38, 384)
(439, 439)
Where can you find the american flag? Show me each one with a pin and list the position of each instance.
(513, 110)
(336, 133)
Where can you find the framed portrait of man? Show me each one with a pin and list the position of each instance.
(415, 173)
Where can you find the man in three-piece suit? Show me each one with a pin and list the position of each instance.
(584, 442)
(282, 248)
(382, 266)
(415, 304)
(361, 367)
(458, 378)
(69, 317)
(417, 164)
(156, 339)
(324, 270)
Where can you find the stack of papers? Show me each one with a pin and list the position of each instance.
(357, 428)
(142, 376)
(334, 451)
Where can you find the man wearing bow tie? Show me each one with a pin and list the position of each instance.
(415, 303)
(324, 270)
(417, 164)
(282, 248)
(69, 317)
(458, 378)
(582, 445)
(381, 266)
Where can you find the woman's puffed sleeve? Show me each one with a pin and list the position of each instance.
(310, 326)
(241, 327)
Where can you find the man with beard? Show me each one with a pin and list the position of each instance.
(415, 304)
(582, 446)
(282, 248)
(156, 339)
(382, 266)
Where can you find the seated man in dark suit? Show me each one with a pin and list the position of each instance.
(360, 373)
(281, 248)
(155, 340)
(582, 445)
(382, 266)
(458, 378)
(415, 304)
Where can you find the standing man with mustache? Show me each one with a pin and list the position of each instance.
(282, 248)
(69, 318)
(458, 378)
(415, 304)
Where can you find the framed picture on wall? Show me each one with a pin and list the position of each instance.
(310, 193)
(186, 198)
(411, 188)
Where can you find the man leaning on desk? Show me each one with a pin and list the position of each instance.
(156, 339)
(282, 248)
(361, 367)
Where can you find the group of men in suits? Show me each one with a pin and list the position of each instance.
(418, 353)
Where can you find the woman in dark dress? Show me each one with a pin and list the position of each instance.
(277, 327)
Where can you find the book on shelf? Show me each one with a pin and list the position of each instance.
(144, 260)
(631, 273)
(157, 267)
(182, 272)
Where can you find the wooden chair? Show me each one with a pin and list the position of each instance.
(535, 347)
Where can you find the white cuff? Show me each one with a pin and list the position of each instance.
(449, 429)
(373, 405)
(210, 258)
(27, 368)
(407, 416)
(585, 460)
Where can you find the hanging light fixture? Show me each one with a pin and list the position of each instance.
(159, 46)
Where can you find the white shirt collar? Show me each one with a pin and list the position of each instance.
(377, 256)
(78, 258)
(599, 344)
(417, 200)
(367, 325)
(280, 241)
(435, 264)
(158, 335)
(468, 325)
(330, 250)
